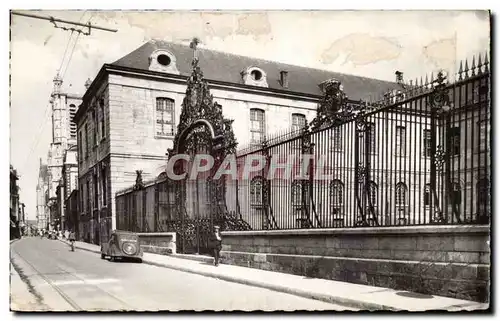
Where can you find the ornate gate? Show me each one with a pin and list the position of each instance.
(200, 203)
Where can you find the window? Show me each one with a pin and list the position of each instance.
(337, 139)
(400, 141)
(372, 193)
(88, 209)
(370, 135)
(456, 194)
(96, 190)
(256, 192)
(336, 198)
(104, 187)
(427, 147)
(86, 140)
(483, 196)
(81, 199)
(454, 141)
(165, 121)
(94, 132)
(80, 148)
(257, 126)
(401, 191)
(427, 195)
(297, 193)
(72, 125)
(483, 143)
(298, 122)
(103, 119)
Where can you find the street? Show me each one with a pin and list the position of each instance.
(57, 279)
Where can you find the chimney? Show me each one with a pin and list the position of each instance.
(88, 83)
(399, 77)
(284, 78)
(57, 84)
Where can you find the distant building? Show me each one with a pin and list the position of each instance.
(129, 114)
(41, 196)
(64, 107)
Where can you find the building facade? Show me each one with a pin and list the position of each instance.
(42, 196)
(129, 114)
(64, 107)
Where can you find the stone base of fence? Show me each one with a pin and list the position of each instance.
(158, 243)
(451, 261)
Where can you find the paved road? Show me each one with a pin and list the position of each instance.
(46, 275)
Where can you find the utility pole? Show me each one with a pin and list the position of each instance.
(54, 21)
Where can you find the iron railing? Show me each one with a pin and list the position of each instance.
(419, 156)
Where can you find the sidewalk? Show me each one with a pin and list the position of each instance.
(352, 295)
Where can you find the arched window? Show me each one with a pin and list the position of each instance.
(427, 195)
(401, 192)
(297, 193)
(372, 192)
(336, 197)
(256, 193)
(401, 200)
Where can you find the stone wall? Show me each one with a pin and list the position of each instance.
(439, 260)
(159, 243)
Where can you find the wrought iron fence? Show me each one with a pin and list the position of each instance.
(419, 156)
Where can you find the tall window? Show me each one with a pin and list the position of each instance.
(72, 125)
(372, 194)
(103, 118)
(298, 122)
(401, 198)
(336, 198)
(80, 148)
(88, 209)
(337, 139)
(482, 196)
(257, 125)
(104, 187)
(256, 196)
(482, 125)
(96, 190)
(96, 127)
(370, 135)
(426, 138)
(454, 140)
(165, 120)
(82, 209)
(297, 193)
(86, 140)
(456, 194)
(427, 195)
(400, 141)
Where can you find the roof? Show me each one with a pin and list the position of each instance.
(227, 67)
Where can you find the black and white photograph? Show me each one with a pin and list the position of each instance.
(250, 160)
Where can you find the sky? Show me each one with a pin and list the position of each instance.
(366, 43)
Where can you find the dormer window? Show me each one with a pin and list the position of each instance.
(163, 61)
(254, 76)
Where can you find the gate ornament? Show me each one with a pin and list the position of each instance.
(334, 108)
(198, 104)
(139, 184)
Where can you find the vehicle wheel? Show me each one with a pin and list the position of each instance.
(139, 260)
(103, 256)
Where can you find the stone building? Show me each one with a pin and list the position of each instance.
(64, 106)
(42, 196)
(129, 114)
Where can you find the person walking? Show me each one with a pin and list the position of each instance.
(216, 240)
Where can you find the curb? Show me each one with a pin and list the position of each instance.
(356, 304)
